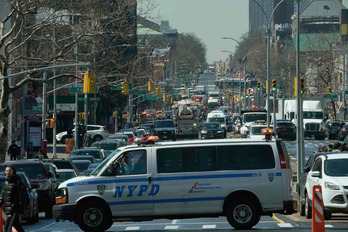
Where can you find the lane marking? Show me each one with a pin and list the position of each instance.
(277, 219)
(328, 226)
(133, 228)
(171, 227)
(209, 226)
(285, 225)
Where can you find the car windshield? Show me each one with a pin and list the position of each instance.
(63, 176)
(63, 164)
(108, 146)
(82, 166)
(336, 167)
(211, 126)
(103, 163)
(220, 120)
(255, 117)
(33, 171)
(95, 153)
(159, 124)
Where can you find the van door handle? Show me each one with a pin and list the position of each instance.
(149, 179)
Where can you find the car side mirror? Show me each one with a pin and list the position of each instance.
(315, 174)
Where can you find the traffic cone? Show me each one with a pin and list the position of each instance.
(318, 224)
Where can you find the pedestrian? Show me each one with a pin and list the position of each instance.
(13, 151)
(14, 199)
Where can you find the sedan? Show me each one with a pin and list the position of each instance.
(211, 130)
(66, 174)
(98, 154)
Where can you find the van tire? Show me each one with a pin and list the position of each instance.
(101, 220)
(308, 208)
(242, 214)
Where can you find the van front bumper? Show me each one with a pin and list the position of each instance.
(65, 212)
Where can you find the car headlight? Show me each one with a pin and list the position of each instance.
(203, 132)
(331, 186)
(219, 132)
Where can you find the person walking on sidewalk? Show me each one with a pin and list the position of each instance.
(13, 198)
(13, 151)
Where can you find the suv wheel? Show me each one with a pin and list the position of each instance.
(302, 209)
(242, 214)
(97, 138)
(308, 208)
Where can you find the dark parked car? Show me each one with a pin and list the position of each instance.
(39, 175)
(108, 146)
(62, 163)
(286, 129)
(82, 157)
(82, 165)
(31, 213)
(343, 132)
(164, 129)
(66, 174)
(98, 154)
(211, 130)
(333, 130)
(51, 168)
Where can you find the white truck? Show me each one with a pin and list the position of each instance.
(186, 122)
(250, 117)
(313, 115)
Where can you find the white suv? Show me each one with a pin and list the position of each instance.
(330, 171)
(97, 133)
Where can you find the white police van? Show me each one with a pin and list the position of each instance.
(236, 178)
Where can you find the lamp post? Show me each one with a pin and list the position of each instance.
(268, 34)
(231, 53)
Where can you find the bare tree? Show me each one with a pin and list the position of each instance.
(40, 33)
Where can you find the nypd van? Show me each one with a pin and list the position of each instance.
(239, 179)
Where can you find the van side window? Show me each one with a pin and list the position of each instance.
(243, 157)
(170, 160)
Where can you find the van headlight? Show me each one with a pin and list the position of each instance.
(331, 186)
(61, 196)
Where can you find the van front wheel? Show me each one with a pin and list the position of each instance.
(93, 217)
(242, 214)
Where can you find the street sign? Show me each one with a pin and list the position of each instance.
(151, 98)
(138, 92)
(330, 96)
(38, 107)
(119, 87)
(80, 89)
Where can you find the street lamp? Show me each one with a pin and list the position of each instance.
(268, 21)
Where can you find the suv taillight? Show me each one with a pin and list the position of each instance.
(283, 164)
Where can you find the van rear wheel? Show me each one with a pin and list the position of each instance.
(242, 214)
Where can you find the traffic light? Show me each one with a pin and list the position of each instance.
(158, 91)
(328, 90)
(248, 92)
(164, 97)
(125, 90)
(301, 85)
(49, 123)
(258, 86)
(274, 85)
(149, 86)
(89, 85)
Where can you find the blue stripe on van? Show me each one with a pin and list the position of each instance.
(167, 201)
(167, 178)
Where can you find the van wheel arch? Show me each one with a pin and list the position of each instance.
(243, 210)
(98, 201)
(242, 194)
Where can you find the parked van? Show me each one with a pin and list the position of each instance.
(186, 179)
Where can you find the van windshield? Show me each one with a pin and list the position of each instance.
(255, 117)
(103, 163)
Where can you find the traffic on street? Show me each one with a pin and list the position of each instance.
(153, 115)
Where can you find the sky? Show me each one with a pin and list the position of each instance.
(209, 20)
